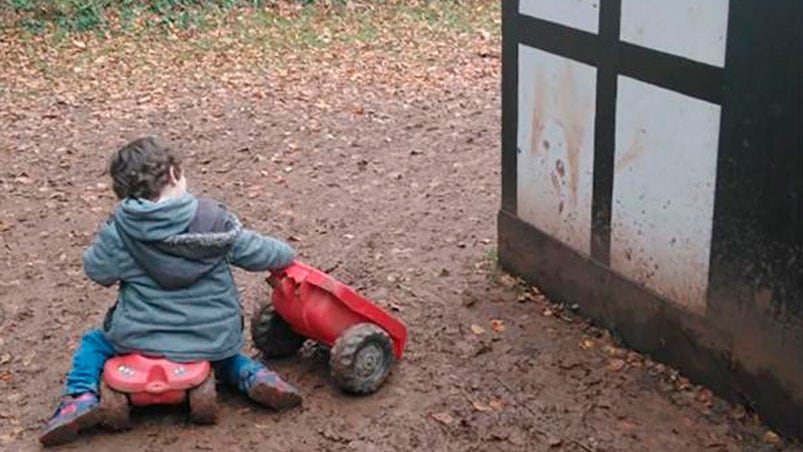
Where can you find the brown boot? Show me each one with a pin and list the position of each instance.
(268, 389)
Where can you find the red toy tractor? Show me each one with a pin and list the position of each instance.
(139, 380)
(306, 304)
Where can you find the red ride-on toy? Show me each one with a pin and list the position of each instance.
(306, 304)
(139, 380)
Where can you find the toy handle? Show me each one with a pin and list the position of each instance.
(272, 280)
(276, 276)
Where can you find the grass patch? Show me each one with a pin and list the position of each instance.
(38, 16)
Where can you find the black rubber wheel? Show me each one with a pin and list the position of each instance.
(361, 358)
(272, 335)
(203, 402)
(114, 408)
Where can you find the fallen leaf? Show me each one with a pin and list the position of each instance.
(476, 329)
(771, 437)
(633, 357)
(547, 312)
(496, 404)
(507, 281)
(616, 364)
(443, 418)
(5, 359)
(29, 358)
(738, 412)
(481, 407)
(615, 352)
(498, 325)
(588, 344)
(687, 422)
(705, 396)
(79, 44)
(525, 297)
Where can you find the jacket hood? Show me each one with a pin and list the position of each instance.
(177, 241)
(151, 221)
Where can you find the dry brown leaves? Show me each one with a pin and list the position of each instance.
(443, 418)
(325, 57)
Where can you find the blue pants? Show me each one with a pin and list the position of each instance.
(94, 350)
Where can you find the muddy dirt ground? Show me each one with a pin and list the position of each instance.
(396, 197)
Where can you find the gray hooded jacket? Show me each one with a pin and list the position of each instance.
(177, 297)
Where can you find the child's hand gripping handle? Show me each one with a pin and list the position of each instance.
(273, 280)
(275, 277)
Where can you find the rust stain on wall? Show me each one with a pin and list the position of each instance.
(633, 152)
(556, 106)
(571, 112)
(539, 107)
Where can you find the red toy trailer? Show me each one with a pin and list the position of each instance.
(306, 303)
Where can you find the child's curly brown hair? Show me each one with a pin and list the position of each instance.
(141, 169)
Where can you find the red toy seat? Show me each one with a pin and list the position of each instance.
(153, 380)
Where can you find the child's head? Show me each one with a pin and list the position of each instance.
(146, 169)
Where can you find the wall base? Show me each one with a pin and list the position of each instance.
(647, 322)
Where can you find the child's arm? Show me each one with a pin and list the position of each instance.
(255, 252)
(100, 259)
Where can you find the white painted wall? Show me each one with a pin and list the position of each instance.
(663, 196)
(694, 29)
(556, 115)
(580, 14)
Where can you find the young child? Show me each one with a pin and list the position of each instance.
(169, 253)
